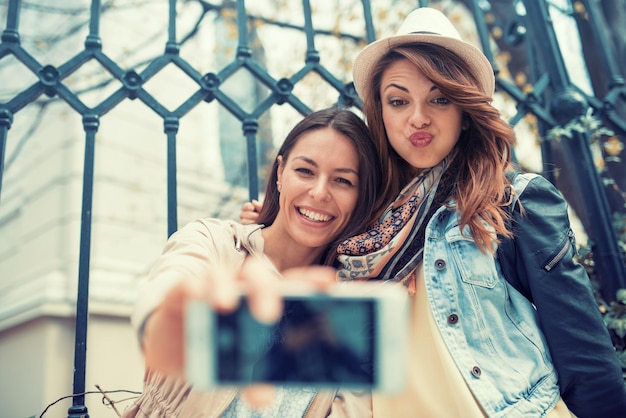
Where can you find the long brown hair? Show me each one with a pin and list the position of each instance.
(352, 127)
(477, 173)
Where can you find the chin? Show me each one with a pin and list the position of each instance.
(317, 243)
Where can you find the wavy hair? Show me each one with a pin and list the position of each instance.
(351, 126)
(476, 177)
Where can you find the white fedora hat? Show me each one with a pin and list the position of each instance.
(426, 26)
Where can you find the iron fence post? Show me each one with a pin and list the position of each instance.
(568, 107)
(601, 37)
(78, 408)
(250, 127)
(171, 128)
(6, 119)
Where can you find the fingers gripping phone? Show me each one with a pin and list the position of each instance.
(354, 336)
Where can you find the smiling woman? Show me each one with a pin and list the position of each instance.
(334, 169)
(322, 187)
(318, 192)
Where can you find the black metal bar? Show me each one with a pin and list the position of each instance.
(6, 119)
(483, 34)
(541, 24)
(250, 127)
(370, 32)
(230, 105)
(91, 122)
(78, 408)
(601, 40)
(93, 39)
(329, 77)
(172, 47)
(171, 128)
(606, 109)
(10, 33)
(259, 72)
(312, 54)
(243, 48)
(525, 101)
(540, 82)
(568, 107)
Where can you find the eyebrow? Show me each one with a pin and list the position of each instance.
(313, 163)
(404, 89)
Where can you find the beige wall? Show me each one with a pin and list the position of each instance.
(36, 363)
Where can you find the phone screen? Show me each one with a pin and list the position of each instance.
(318, 340)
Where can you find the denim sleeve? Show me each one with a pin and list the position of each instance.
(590, 376)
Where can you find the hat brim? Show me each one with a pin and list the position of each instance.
(370, 55)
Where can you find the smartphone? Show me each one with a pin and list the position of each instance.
(354, 336)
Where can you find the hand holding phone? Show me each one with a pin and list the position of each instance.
(162, 332)
(355, 335)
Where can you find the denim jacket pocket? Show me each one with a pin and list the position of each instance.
(476, 268)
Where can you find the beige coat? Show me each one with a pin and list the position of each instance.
(192, 252)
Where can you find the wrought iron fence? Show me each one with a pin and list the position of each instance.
(555, 102)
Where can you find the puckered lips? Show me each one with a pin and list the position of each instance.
(421, 138)
(314, 216)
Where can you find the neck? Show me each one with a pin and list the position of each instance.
(285, 254)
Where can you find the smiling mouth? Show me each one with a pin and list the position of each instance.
(314, 216)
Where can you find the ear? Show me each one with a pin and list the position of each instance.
(280, 169)
(465, 122)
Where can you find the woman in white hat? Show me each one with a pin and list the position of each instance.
(473, 257)
(504, 321)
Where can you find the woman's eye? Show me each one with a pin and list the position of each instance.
(304, 170)
(441, 101)
(396, 102)
(345, 181)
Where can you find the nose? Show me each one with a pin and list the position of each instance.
(419, 117)
(319, 190)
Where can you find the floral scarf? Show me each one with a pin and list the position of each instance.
(384, 252)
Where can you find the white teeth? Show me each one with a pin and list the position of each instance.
(314, 216)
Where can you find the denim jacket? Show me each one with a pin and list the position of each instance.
(516, 322)
(489, 328)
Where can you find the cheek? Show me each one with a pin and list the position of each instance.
(282, 196)
(350, 205)
(393, 141)
(394, 126)
(458, 122)
(388, 121)
(457, 137)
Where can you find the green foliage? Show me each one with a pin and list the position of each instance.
(619, 224)
(613, 312)
(615, 320)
